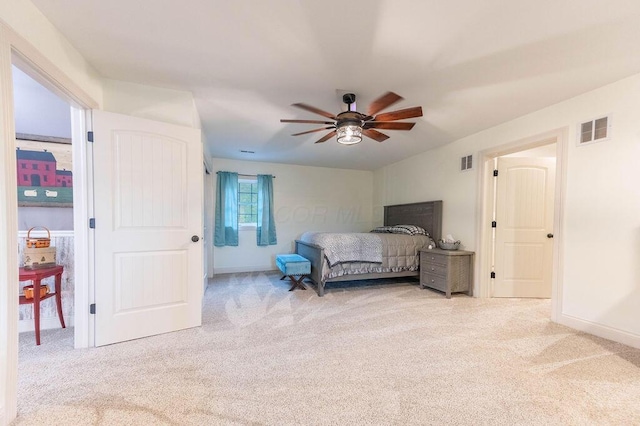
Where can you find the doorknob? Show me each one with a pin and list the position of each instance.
(549, 235)
(195, 238)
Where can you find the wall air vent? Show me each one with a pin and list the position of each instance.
(596, 130)
(466, 163)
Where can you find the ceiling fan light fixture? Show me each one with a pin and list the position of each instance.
(349, 133)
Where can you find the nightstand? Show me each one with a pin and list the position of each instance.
(449, 271)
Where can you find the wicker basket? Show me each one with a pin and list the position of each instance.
(38, 242)
(444, 245)
(28, 291)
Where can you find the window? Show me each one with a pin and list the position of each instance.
(24, 166)
(34, 166)
(247, 202)
(46, 167)
(45, 178)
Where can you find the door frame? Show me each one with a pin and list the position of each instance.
(14, 49)
(485, 207)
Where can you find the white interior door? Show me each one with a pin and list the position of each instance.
(148, 205)
(524, 215)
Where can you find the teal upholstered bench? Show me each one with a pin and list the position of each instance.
(293, 265)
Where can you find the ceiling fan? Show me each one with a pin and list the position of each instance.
(349, 126)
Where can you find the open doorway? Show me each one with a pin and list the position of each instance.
(15, 50)
(45, 199)
(522, 262)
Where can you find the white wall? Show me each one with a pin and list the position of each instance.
(167, 105)
(601, 268)
(305, 199)
(155, 103)
(434, 175)
(25, 19)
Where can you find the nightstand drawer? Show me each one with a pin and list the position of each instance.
(434, 268)
(433, 281)
(433, 258)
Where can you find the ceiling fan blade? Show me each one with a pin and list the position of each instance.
(315, 110)
(306, 121)
(312, 131)
(376, 135)
(383, 102)
(326, 137)
(390, 125)
(401, 114)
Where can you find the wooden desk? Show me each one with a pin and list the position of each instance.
(36, 276)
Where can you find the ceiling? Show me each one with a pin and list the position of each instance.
(470, 64)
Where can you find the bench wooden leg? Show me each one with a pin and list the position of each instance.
(297, 282)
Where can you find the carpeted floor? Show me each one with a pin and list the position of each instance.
(369, 354)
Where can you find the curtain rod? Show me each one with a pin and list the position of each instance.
(242, 174)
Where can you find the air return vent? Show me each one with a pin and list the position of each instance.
(597, 130)
(466, 163)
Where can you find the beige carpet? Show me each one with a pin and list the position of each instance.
(367, 355)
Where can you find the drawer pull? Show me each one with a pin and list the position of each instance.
(433, 269)
(432, 280)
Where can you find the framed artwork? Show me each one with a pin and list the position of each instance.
(44, 171)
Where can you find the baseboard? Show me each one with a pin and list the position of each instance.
(600, 330)
(45, 324)
(241, 269)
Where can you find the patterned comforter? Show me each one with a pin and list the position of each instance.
(351, 247)
(395, 252)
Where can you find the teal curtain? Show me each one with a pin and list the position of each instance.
(266, 232)
(226, 231)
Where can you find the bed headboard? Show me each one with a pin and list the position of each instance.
(427, 214)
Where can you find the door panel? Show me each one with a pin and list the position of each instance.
(148, 204)
(524, 213)
(151, 188)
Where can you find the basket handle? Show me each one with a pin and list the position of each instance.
(39, 227)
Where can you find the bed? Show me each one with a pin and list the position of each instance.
(427, 215)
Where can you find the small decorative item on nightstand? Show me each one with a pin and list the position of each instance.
(449, 245)
(450, 271)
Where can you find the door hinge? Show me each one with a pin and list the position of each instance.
(92, 223)
(92, 308)
(90, 136)
(493, 275)
(494, 224)
(495, 172)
